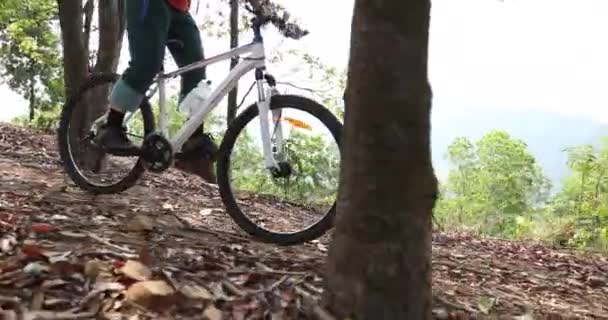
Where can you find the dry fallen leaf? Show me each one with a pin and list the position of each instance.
(212, 313)
(7, 243)
(33, 251)
(49, 284)
(109, 286)
(92, 268)
(54, 257)
(72, 235)
(486, 304)
(153, 295)
(440, 314)
(36, 268)
(238, 314)
(145, 256)
(278, 315)
(135, 270)
(117, 264)
(43, 228)
(65, 268)
(322, 247)
(168, 206)
(170, 221)
(596, 281)
(93, 298)
(141, 223)
(236, 247)
(196, 292)
(53, 303)
(37, 300)
(39, 315)
(575, 283)
(9, 315)
(205, 212)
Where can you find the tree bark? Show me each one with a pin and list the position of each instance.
(234, 42)
(32, 91)
(75, 61)
(111, 31)
(379, 264)
(112, 23)
(75, 50)
(88, 10)
(75, 34)
(32, 98)
(75, 21)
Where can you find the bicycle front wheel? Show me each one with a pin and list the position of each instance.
(297, 204)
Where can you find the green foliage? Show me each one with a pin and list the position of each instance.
(585, 195)
(29, 57)
(496, 188)
(328, 82)
(493, 182)
(315, 163)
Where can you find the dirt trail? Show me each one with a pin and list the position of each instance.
(66, 254)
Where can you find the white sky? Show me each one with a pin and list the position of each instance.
(516, 54)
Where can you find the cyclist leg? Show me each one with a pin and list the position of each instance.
(199, 150)
(147, 29)
(189, 50)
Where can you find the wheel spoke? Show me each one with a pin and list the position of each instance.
(301, 198)
(89, 167)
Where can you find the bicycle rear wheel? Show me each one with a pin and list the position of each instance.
(87, 166)
(299, 204)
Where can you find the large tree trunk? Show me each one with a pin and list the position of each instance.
(379, 264)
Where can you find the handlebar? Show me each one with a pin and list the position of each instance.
(267, 13)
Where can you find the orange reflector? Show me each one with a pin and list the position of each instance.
(297, 123)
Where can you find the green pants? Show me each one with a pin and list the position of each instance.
(150, 24)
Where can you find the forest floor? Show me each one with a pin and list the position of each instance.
(166, 249)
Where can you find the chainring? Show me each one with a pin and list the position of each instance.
(157, 153)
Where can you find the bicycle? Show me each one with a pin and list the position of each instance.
(158, 148)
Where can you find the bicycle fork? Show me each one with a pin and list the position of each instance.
(264, 97)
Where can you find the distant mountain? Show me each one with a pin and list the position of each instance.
(546, 133)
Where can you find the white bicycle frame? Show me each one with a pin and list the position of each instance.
(255, 60)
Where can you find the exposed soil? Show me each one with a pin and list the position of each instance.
(166, 249)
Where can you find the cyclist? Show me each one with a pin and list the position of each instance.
(150, 24)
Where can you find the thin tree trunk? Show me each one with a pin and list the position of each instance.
(111, 32)
(32, 93)
(88, 10)
(379, 264)
(75, 50)
(234, 42)
(582, 194)
(75, 21)
(596, 195)
(75, 62)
